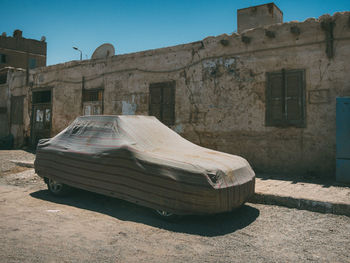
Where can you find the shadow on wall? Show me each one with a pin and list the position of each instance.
(213, 225)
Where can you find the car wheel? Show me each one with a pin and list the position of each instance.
(56, 188)
(166, 215)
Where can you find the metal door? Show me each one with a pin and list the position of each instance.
(343, 140)
(41, 122)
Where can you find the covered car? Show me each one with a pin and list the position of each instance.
(139, 159)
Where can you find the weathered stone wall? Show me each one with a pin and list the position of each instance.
(6, 91)
(4, 120)
(17, 84)
(220, 91)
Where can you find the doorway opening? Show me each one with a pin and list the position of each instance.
(41, 116)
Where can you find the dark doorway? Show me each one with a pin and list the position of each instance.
(41, 116)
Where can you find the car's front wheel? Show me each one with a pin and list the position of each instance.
(56, 188)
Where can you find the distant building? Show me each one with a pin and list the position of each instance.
(19, 52)
(16, 54)
(258, 16)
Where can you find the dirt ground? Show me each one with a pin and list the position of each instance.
(87, 227)
(7, 166)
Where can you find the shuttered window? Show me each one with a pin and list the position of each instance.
(3, 78)
(17, 109)
(93, 102)
(92, 95)
(285, 98)
(3, 59)
(162, 102)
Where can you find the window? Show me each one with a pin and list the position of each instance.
(162, 102)
(92, 102)
(3, 59)
(32, 63)
(3, 78)
(92, 95)
(41, 97)
(285, 98)
(17, 109)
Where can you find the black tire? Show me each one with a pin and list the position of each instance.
(56, 188)
(167, 216)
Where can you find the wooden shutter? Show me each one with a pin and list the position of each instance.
(275, 100)
(162, 102)
(294, 97)
(17, 109)
(285, 98)
(3, 59)
(3, 78)
(155, 101)
(168, 104)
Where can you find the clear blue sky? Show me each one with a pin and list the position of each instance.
(133, 26)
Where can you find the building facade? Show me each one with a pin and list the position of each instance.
(19, 52)
(267, 93)
(16, 54)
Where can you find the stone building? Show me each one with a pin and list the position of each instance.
(16, 54)
(267, 93)
(20, 52)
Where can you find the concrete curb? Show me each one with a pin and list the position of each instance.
(302, 204)
(28, 164)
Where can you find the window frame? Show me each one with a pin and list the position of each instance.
(285, 122)
(17, 110)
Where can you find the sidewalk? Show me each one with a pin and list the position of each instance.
(325, 197)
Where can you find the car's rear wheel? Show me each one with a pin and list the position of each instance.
(166, 215)
(56, 188)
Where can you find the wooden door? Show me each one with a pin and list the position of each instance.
(41, 122)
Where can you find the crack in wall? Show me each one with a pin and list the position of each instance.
(193, 104)
(322, 73)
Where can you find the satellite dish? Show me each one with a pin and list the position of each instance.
(103, 51)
